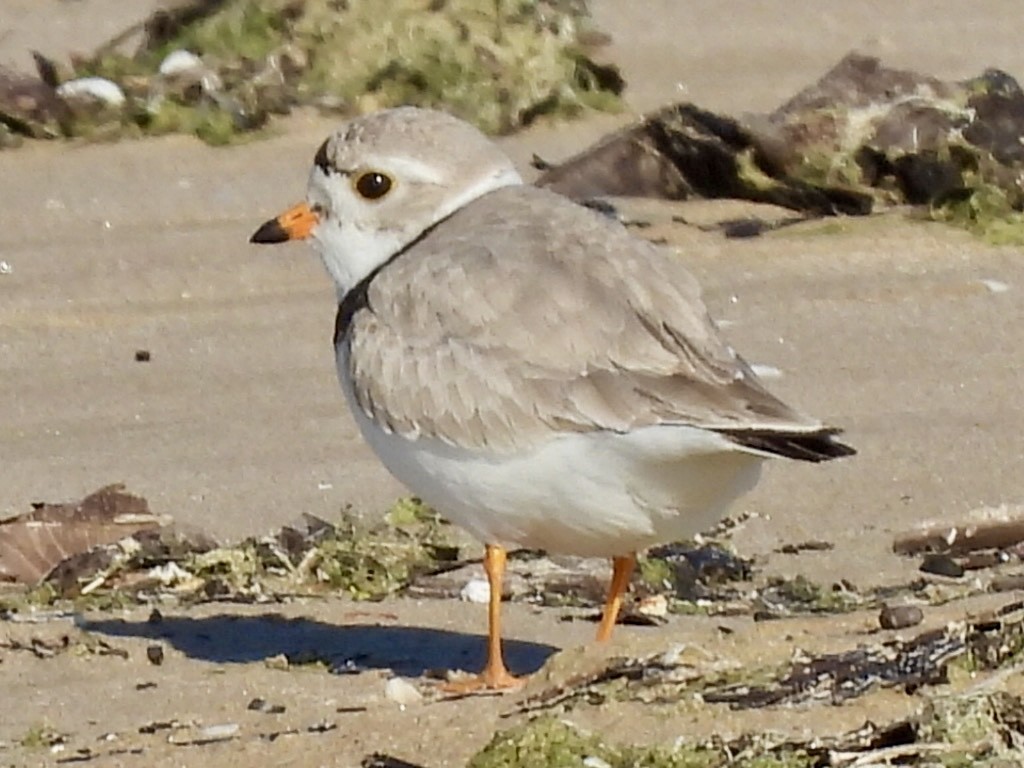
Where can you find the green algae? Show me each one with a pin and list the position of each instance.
(498, 64)
(553, 743)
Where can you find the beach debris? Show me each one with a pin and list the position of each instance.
(972, 729)
(33, 545)
(942, 565)
(864, 137)
(654, 607)
(992, 285)
(262, 705)
(277, 662)
(694, 572)
(152, 556)
(991, 537)
(476, 590)
(814, 545)
(380, 760)
(155, 654)
(900, 616)
(953, 147)
(77, 642)
(402, 692)
(530, 576)
(221, 69)
(989, 641)
(198, 737)
(181, 62)
(999, 529)
(29, 108)
(92, 89)
(682, 152)
(322, 726)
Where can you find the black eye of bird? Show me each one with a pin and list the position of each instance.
(373, 185)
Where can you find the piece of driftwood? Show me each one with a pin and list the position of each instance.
(962, 538)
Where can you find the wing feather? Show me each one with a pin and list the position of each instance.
(525, 313)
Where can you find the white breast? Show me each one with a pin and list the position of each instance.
(584, 493)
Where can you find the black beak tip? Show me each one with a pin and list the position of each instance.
(269, 232)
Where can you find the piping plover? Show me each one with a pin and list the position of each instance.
(523, 364)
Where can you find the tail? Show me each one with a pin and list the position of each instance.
(817, 446)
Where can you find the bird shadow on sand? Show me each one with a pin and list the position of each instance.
(344, 648)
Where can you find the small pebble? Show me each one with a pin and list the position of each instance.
(155, 617)
(744, 228)
(596, 762)
(262, 705)
(402, 692)
(942, 565)
(5, 267)
(155, 654)
(142, 356)
(900, 616)
(322, 727)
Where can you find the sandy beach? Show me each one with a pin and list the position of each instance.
(906, 334)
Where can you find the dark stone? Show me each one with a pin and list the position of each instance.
(942, 565)
(924, 177)
(998, 126)
(155, 654)
(900, 616)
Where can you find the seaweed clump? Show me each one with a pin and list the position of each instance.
(220, 70)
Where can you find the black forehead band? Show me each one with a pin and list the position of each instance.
(322, 161)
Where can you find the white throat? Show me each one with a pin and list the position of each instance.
(350, 253)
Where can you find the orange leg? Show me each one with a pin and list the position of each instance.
(622, 569)
(495, 675)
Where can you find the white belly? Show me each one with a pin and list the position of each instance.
(590, 494)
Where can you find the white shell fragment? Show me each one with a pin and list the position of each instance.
(220, 732)
(994, 286)
(402, 692)
(766, 372)
(654, 606)
(95, 88)
(180, 62)
(476, 591)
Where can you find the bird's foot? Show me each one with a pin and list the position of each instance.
(488, 681)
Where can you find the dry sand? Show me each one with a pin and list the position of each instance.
(882, 326)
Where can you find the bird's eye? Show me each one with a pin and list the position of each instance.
(373, 185)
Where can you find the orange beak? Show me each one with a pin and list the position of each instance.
(294, 224)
